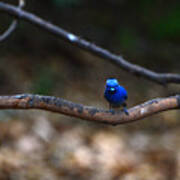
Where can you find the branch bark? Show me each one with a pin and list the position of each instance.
(12, 26)
(161, 78)
(58, 105)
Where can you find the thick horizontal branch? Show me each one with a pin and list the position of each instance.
(161, 78)
(50, 103)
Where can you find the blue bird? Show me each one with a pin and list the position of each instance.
(115, 94)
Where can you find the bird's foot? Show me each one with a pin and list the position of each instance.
(125, 111)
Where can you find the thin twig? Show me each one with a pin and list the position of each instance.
(50, 103)
(161, 78)
(13, 25)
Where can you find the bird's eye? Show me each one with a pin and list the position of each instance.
(112, 89)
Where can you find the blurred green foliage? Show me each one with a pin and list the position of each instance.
(162, 18)
(127, 38)
(167, 26)
(44, 82)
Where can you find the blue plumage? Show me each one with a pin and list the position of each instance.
(115, 94)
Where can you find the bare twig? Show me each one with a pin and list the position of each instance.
(161, 78)
(49, 103)
(13, 25)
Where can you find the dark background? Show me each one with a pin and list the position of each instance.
(36, 144)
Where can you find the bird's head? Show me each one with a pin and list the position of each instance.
(111, 84)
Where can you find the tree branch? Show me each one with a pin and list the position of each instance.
(13, 25)
(161, 78)
(50, 103)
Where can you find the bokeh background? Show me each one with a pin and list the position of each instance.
(41, 145)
